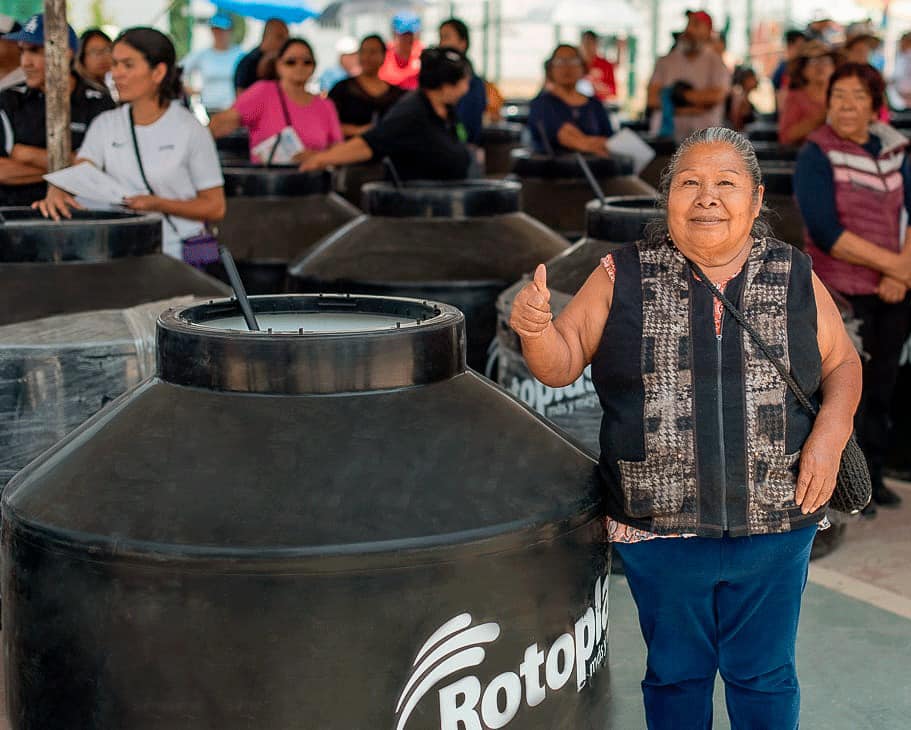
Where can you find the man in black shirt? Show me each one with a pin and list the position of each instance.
(23, 133)
(254, 66)
(419, 133)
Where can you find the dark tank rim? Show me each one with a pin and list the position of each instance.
(442, 199)
(323, 559)
(191, 354)
(250, 179)
(28, 237)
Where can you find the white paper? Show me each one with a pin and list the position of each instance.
(88, 182)
(626, 142)
(289, 144)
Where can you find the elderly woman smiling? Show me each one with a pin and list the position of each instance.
(715, 480)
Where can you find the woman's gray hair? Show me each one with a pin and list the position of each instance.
(657, 230)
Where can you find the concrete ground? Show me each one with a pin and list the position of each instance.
(854, 644)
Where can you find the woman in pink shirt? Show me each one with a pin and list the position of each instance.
(804, 107)
(269, 106)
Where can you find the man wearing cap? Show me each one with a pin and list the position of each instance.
(403, 57)
(23, 151)
(215, 66)
(697, 76)
(11, 73)
(254, 66)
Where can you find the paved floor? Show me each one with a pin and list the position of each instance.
(854, 648)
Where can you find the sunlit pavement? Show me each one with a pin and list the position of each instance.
(854, 648)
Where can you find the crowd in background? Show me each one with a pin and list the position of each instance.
(423, 108)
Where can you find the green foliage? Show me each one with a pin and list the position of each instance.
(21, 10)
(98, 16)
(181, 24)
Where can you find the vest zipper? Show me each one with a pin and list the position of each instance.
(723, 458)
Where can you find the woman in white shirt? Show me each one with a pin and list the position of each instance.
(153, 146)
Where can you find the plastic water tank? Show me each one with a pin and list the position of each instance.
(274, 215)
(575, 408)
(461, 243)
(498, 140)
(328, 524)
(78, 304)
(555, 189)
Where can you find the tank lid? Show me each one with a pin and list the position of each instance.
(311, 343)
(89, 236)
(525, 163)
(621, 218)
(248, 180)
(457, 199)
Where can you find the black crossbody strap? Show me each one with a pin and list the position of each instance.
(142, 171)
(802, 397)
(278, 137)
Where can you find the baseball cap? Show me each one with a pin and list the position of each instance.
(406, 23)
(221, 21)
(346, 45)
(700, 16)
(33, 32)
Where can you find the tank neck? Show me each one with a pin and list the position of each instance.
(462, 199)
(601, 222)
(88, 237)
(311, 344)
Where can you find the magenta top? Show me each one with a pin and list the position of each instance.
(261, 112)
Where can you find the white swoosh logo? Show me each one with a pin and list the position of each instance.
(456, 663)
(452, 640)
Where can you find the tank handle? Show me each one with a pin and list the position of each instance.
(240, 293)
(599, 193)
(390, 165)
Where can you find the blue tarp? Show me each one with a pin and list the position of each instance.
(291, 11)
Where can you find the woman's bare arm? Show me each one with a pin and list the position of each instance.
(840, 388)
(558, 351)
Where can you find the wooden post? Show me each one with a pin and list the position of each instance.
(57, 84)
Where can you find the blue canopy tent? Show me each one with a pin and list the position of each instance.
(291, 11)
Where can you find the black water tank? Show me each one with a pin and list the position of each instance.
(461, 243)
(337, 529)
(499, 139)
(555, 189)
(96, 260)
(234, 148)
(274, 215)
(78, 303)
(786, 220)
(763, 131)
(349, 179)
(664, 148)
(574, 408)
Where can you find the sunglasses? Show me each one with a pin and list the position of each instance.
(566, 62)
(297, 61)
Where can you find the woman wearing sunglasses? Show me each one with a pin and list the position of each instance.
(270, 107)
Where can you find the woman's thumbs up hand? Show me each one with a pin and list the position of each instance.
(531, 314)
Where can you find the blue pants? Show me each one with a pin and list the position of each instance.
(729, 605)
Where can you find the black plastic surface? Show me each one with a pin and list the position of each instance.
(26, 236)
(420, 199)
(621, 218)
(527, 164)
(193, 557)
(257, 181)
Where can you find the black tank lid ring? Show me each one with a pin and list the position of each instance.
(89, 236)
(433, 199)
(366, 343)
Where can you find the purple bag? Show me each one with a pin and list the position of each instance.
(200, 250)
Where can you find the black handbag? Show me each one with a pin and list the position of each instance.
(853, 487)
(198, 250)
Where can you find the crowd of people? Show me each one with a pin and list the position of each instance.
(424, 107)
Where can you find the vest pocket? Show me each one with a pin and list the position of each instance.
(657, 486)
(776, 480)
